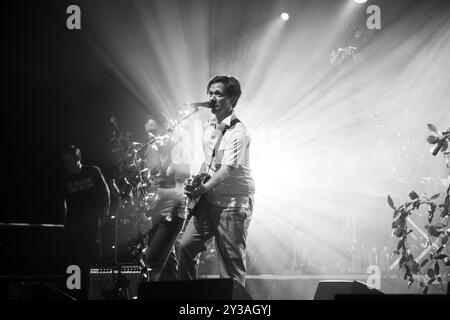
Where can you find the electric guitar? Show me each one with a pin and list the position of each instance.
(192, 184)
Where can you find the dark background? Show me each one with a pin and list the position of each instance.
(58, 93)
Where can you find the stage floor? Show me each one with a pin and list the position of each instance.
(303, 287)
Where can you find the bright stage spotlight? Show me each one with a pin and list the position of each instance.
(360, 1)
(284, 16)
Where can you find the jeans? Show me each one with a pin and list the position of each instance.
(160, 255)
(229, 227)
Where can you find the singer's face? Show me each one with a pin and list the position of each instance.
(222, 105)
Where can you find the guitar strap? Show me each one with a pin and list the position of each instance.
(219, 140)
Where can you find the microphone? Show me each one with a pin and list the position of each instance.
(205, 104)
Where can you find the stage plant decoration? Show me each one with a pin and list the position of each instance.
(431, 267)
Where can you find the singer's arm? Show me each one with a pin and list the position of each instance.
(217, 178)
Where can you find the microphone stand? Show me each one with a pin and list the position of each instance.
(170, 129)
(177, 123)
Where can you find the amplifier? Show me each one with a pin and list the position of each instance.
(114, 283)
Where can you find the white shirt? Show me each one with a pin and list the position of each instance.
(233, 150)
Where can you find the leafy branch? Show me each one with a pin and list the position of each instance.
(429, 268)
(121, 145)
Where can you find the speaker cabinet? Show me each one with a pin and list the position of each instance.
(327, 290)
(114, 283)
(204, 289)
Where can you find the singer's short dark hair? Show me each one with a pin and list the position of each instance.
(232, 87)
(73, 151)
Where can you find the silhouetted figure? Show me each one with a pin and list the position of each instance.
(85, 200)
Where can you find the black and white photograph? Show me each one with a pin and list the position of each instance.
(205, 151)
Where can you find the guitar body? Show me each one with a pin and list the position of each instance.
(191, 203)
